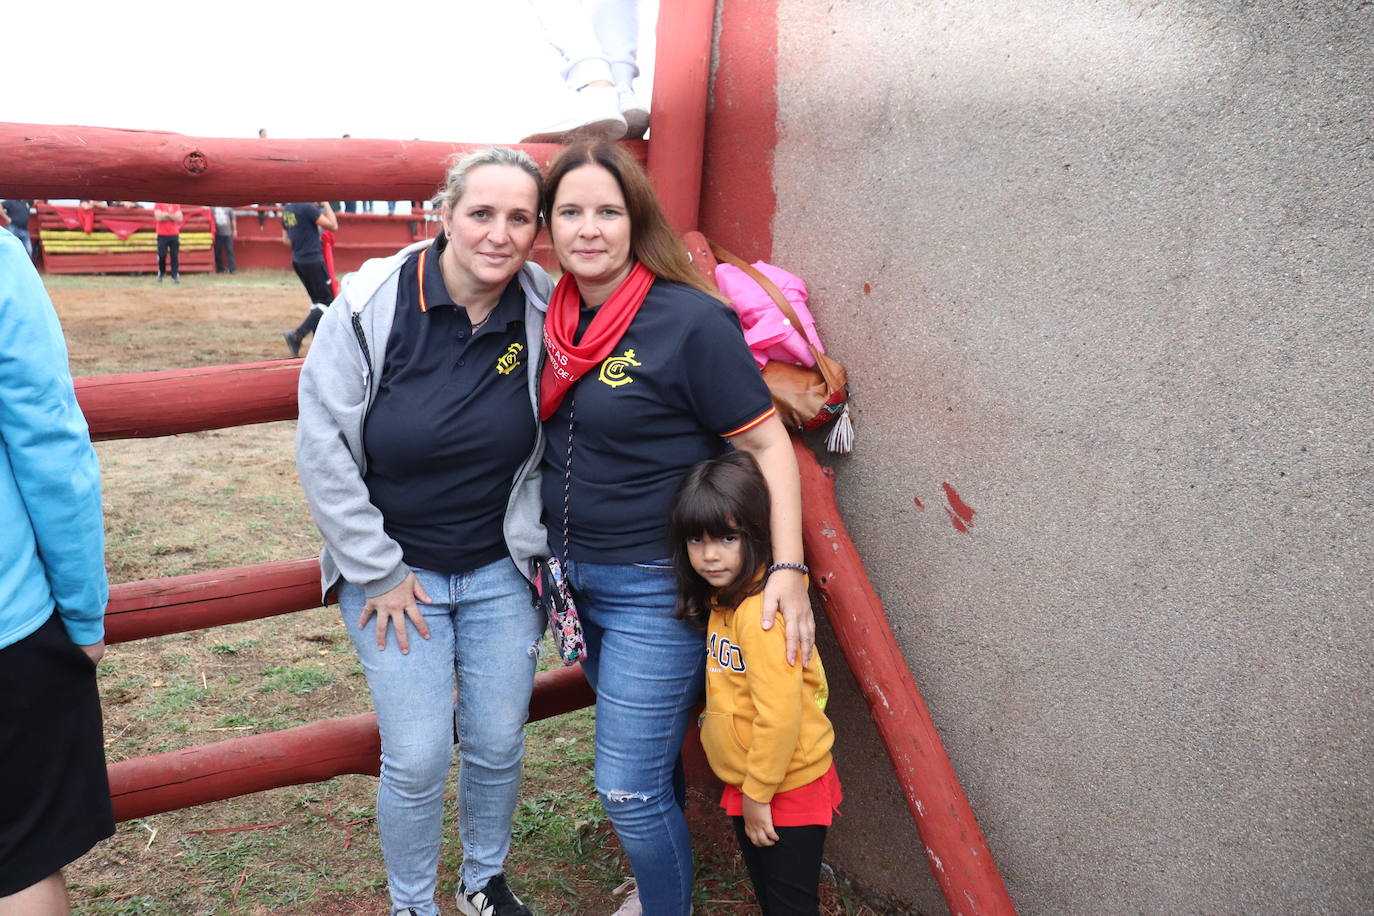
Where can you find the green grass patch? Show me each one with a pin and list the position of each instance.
(232, 648)
(171, 700)
(296, 680)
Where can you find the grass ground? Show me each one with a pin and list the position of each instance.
(204, 501)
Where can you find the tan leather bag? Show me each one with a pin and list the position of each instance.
(806, 397)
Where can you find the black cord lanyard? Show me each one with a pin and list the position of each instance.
(567, 477)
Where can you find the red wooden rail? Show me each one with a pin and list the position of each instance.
(38, 161)
(42, 161)
(144, 404)
(956, 850)
(681, 76)
(179, 604)
(294, 756)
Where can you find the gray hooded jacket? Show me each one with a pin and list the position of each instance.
(338, 384)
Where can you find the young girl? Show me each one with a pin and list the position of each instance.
(764, 730)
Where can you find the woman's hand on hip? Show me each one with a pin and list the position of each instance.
(393, 608)
(785, 593)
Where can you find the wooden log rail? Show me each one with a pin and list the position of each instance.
(144, 404)
(44, 161)
(291, 757)
(180, 604)
(955, 848)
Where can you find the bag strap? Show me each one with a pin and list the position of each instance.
(783, 305)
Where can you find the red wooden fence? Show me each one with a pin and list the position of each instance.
(140, 405)
(40, 161)
(309, 753)
(102, 163)
(180, 604)
(128, 405)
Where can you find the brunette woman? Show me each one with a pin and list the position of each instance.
(646, 374)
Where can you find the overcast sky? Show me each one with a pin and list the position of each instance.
(470, 70)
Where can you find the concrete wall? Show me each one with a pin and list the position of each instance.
(1104, 269)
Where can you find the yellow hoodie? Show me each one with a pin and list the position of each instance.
(764, 728)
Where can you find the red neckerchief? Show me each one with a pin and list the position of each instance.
(567, 361)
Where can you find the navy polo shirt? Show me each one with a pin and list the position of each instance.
(451, 424)
(299, 222)
(18, 212)
(679, 380)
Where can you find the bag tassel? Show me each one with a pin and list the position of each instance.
(840, 439)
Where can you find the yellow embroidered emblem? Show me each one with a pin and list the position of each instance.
(506, 362)
(613, 369)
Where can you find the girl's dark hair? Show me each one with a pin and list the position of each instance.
(722, 496)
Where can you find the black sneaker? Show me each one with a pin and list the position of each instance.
(495, 899)
(293, 343)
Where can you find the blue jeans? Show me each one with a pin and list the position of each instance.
(647, 669)
(23, 236)
(483, 640)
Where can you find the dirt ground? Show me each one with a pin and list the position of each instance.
(205, 501)
(134, 324)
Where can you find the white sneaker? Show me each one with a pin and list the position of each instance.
(496, 899)
(596, 114)
(635, 112)
(630, 906)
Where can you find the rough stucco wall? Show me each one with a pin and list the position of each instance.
(1118, 255)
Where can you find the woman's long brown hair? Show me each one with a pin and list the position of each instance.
(651, 238)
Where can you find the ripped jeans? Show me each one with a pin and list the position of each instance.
(647, 669)
(483, 640)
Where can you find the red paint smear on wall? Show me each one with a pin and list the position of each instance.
(960, 515)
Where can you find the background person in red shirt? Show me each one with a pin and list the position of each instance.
(168, 218)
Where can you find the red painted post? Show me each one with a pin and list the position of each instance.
(956, 850)
(179, 604)
(677, 130)
(144, 404)
(42, 161)
(292, 757)
(737, 197)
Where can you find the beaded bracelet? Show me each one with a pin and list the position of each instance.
(799, 567)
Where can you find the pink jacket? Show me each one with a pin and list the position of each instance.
(766, 329)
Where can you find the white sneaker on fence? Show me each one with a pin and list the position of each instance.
(596, 112)
(635, 112)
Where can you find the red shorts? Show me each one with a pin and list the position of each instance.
(814, 804)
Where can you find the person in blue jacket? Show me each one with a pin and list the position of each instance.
(54, 793)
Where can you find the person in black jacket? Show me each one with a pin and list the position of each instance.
(301, 225)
